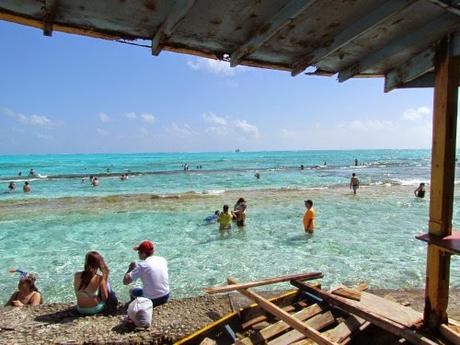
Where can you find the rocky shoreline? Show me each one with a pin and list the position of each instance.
(59, 323)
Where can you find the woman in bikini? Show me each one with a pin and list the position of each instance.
(27, 293)
(91, 285)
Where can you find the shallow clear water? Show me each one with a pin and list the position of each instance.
(368, 237)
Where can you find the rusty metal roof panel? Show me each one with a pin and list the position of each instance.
(348, 37)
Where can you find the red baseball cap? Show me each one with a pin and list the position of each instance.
(144, 246)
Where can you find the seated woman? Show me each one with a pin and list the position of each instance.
(27, 293)
(91, 285)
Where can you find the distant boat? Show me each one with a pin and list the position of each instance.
(237, 150)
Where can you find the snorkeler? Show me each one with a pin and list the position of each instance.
(212, 218)
(27, 293)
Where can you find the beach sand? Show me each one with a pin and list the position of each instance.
(60, 324)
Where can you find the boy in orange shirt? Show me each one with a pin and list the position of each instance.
(309, 217)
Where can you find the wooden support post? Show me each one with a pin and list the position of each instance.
(442, 181)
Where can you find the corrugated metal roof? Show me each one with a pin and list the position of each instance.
(394, 38)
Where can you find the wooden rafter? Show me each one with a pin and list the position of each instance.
(178, 12)
(49, 10)
(354, 31)
(269, 29)
(433, 30)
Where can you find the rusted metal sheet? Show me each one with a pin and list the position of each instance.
(353, 37)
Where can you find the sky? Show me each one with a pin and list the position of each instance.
(73, 94)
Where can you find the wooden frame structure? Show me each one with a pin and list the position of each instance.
(412, 43)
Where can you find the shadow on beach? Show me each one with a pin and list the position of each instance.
(70, 314)
(63, 316)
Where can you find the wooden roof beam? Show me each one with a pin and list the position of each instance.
(452, 6)
(419, 69)
(354, 31)
(49, 10)
(433, 30)
(269, 29)
(417, 66)
(178, 12)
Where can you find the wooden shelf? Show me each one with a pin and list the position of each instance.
(449, 243)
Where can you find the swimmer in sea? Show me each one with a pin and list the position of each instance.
(212, 218)
(12, 186)
(420, 191)
(26, 188)
(95, 182)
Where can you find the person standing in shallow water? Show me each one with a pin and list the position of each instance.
(225, 220)
(420, 191)
(26, 188)
(354, 183)
(309, 217)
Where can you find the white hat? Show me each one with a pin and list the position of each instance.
(140, 311)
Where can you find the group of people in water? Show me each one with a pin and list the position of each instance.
(94, 294)
(226, 217)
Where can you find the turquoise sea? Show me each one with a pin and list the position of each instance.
(368, 237)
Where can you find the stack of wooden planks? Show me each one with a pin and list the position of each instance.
(320, 317)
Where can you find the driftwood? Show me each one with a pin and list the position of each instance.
(284, 316)
(382, 322)
(301, 276)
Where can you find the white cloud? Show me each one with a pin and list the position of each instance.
(248, 130)
(217, 67)
(32, 120)
(104, 117)
(214, 119)
(131, 116)
(148, 118)
(366, 125)
(181, 131)
(102, 132)
(222, 126)
(416, 114)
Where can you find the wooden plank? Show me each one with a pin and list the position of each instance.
(300, 276)
(261, 318)
(428, 33)
(359, 28)
(345, 329)
(280, 326)
(178, 12)
(347, 292)
(418, 65)
(317, 322)
(351, 307)
(208, 341)
(391, 310)
(450, 334)
(270, 28)
(449, 243)
(282, 315)
(442, 182)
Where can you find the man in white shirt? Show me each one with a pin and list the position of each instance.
(153, 271)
